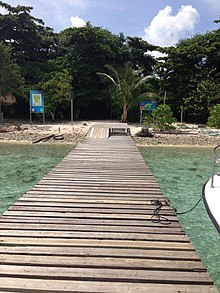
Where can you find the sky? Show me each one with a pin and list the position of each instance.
(160, 22)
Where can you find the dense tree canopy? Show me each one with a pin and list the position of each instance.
(32, 43)
(188, 75)
(85, 51)
(10, 77)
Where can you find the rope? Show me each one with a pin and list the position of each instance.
(186, 212)
(157, 218)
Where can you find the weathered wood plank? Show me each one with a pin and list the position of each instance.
(83, 215)
(87, 210)
(83, 221)
(101, 262)
(95, 242)
(148, 253)
(110, 275)
(26, 285)
(94, 235)
(87, 228)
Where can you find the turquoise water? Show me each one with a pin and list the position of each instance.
(181, 173)
(21, 166)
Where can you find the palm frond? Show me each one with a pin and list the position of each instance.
(108, 76)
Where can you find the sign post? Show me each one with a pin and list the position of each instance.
(36, 103)
(71, 106)
(146, 106)
(181, 114)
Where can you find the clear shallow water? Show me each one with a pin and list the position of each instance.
(21, 166)
(181, 173)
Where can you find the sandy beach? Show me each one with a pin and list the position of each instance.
(190, 135)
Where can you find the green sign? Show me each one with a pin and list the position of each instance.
(148, 106)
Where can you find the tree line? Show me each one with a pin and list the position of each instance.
(108, 74)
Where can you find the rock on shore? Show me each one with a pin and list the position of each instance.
(178, 140)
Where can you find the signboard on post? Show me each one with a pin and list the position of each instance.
(147, 106)
(36, 102)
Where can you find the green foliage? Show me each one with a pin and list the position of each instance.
(190, 74)
(11, 80)
(148, 120)
(128, 87)
(32, 44)
(205, 94)
(139, 57)
(87, 50)
(57, 88)
(163, 117)
(214, 118)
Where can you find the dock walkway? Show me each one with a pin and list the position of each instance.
(87, 227)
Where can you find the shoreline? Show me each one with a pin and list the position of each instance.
(76, 133)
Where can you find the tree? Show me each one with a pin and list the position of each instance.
(139, 54)
(32, 44)
(11, 80)
(190, 74)
(128, 85)
(57, 87)
(214, 118)
(85, 51)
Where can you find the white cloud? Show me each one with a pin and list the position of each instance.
(3, 10)
(166, 29)
(156, 54)
(77, 21)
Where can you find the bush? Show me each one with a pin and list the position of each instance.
(163, 117)
(214, 118)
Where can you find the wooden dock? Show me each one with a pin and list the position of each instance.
(87, 227)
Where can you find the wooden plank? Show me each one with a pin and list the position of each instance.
(26, 285)
(148, 253)
(101, 262)
(109, 275)
(16, 225)
(94, 235)
(84, 215)
(87, 210)
(88, 221)
(124, 205)
(95, 243)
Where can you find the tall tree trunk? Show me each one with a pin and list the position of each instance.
(124, 115)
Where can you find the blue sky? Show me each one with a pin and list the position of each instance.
(162, 22)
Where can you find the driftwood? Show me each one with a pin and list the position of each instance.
(45, 139)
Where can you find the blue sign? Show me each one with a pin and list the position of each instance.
(148, 105)
(36, 101)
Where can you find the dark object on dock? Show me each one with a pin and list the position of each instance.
(144, 133)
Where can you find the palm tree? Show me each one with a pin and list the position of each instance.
(127, 85)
